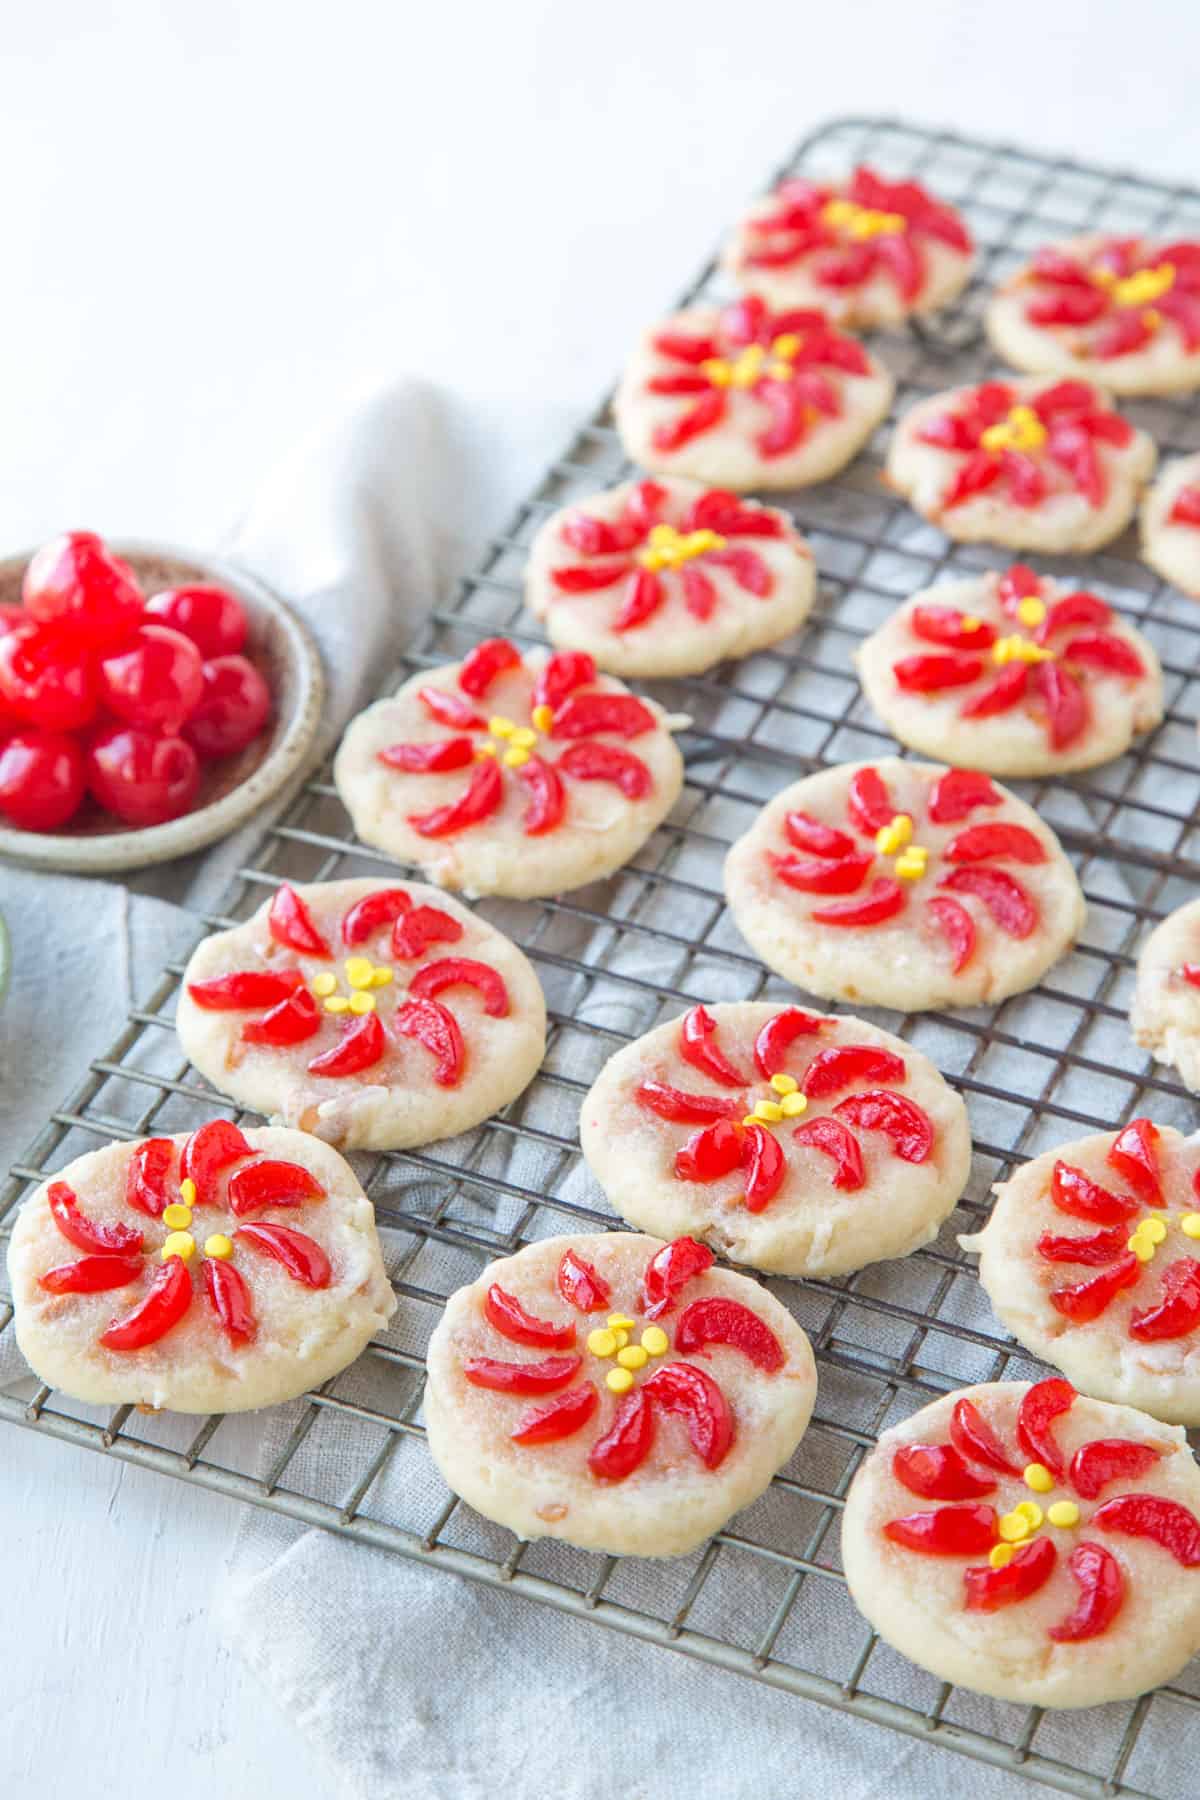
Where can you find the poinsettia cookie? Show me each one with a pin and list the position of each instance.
(1171, 525)
(1091, 1258)
(1013, 673)
(213, 1272)
(615, 1391)
(798, 1143)
(1124, 310)
(903, 884)
(1030, 1544)
(1033, 465)
(669, 578)
(743, 397)
(1165, 1014)
(870, 251)
(375, 1016)
(510, 774)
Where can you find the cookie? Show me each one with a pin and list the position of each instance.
(375, 1016)
(1171, 525)
(742, 397)
(1030, 1544)
(511, 775)
(1124, 311)
(1091, 1258)
(1015, 673)
(206, 1273)
(1031, 464)
(872, 252)
(1165, 1014)
(795, 1142)
(616, 1392)
(668, 578)
(903, 884)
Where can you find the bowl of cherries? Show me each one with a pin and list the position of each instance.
(150, 701)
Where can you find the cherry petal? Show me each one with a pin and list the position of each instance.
(1044, 1402)
(682, 1389)
(1101, 1594)
(481, 666)
(299, 1255)
(365, 917)
(807, 833)
(627, 1442)
(1010, 906)
(989, 1589)
(668, 1273)
(1102, 1460)
(163, 1306)
(1087, 1300)
(956, 925)
(93, 1274)
(146, 1176)
(479, 801)
(845, 875)
(580, 1285)
(884, 899)
(1134, 1154)
(869, 803)
(560, 1418)
(938, 1472)
(292, 924)
(765, 1167)
(461, 971)
(697, 1046)
(979, 843)
(903, 1121)
(360, 1047)
(561, 674)
(1164, 1522)
(271, 1183)
(838, 1067)
(547, 797)
(229, 1298)
(207, 1152)
(1076, 1193)
(949, 1531)
(972, 1436)
(686, 1109)
(831, 1138)
(506, 1314)
(717, 1320)
(436, 1029)
(522, 1378)
(608, 762)
(85, 1233)
(779, 1034)
(414, 931)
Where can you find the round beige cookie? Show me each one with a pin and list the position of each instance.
(668, 578)
(1117, 310)
(1029, 464)
(1013, 674)
(871, 252)
(795, 1142)
(1089, 1260)
(1165, 1014)
(616, 1392)
(206, 1273)
(1069, 1573)
(545, 774)
(1171, 525)
(903, 884)
(740, 398)
(415, 1018)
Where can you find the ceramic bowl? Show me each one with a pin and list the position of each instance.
(232, 789)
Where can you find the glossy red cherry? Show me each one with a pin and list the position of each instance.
(76, 580)
(48, 677)
(211, 616)
(41, 779)
(144, 779)
(234, 705)
(155, 679)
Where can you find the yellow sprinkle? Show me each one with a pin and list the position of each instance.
(1154, 1229)
(380, 977)
(485, 750)
(1000, 1555)
(359, 970)
(632, 1356)
(655, 1340)
(515, 759)
(324, 984)
(792, 1105)
(1019, 649)
(1142, 1248)
(337, 1003)
(971, 622)
(187, 1191)
(361, 1003)
(177, 1217)
(1013, 1528)
(543, 717)
(1021, 430)
(601, 1342)
(893, 837)
(770, 1110)
(718, 371)
(1038, 1477)
(1031, 611)
(1063, 1512)
(180, 1243)
(218, 1245)
(1031, 1512)
(910, 865)
(500, 727)
(620, 1321)
(622, 1337)
(524, 737)
(784, 1084)
(1190, 1225)
(618, 1381)
(786, 345)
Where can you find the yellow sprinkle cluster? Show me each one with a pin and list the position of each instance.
(1021, 430)
(520, 739)
(667, 548)
(1148, 1234)
(1017, 1526)
(1019, 649)
(891, 838)
(1031, 611)
(743, 372)
(362, 976)
(790, 1105)
(612, 1340)
(860, 221)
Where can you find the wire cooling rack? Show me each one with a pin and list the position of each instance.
(764, 1598)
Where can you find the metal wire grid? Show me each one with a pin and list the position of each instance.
(1035, 1070)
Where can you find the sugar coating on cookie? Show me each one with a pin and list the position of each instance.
(510, 774)
(1031, 1544)
(742, 397)
(868, 250)
(1125, 311)
(903, 884)
(210, 1272)
(1091, 1258)
(1165, 1013)
(1171, 525)
(1013, 673)
(668, 577)
(1030, 464)
(789, 1140)
(615, 1391)
(373, 1015)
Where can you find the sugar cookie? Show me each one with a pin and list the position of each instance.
(1165, 1014)
(1171, 525)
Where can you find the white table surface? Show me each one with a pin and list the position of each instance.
(219, 219)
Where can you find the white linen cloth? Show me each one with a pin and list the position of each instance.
(407, 1681)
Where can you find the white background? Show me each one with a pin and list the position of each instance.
(220, 217)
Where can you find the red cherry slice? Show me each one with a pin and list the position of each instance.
(711, 1153)
(424, 925)
(686, 1109)
(831, 1138)
(88, 1234)
(293, 1021)
(998, 838)
(668, 1273)
(92, 1274)
(842, 1064)
(903, 1121)
(929, 674)
(580, 1285)
(938, 1472)
(956, 926)
(697, 1046)
(484, 663)
(560, 1418)
(690, 1394)
(716, 1320)
(989, 1589)
(547, 797)
(297, 1254)
(209, 1151)
(809, 834)
(168, 1298)
(367, 915)
(505, 1313)
(1019, 582)
(1099, 1249)
(764, 1165)
(562, 674)
(608, 762)
(1178, 1312)
(290, 923)
(359, 1048)
(948, 626)
(1087, 1300)
(478, 802)
(627, 1442)
(522, 1378)
(1134, 1155)
(972, 1436)
(586, 715)
(1102, 1460)
(1105, 651)
(869, 802)
(245, 989)
(589, 578)
(1164, 1522)
(1079, 608)
(949, 1531)
(1000, 695)
(229, 1298)
(957, 793)
(271, 1183)
(844, 876)
(646, 595)
(435, 1028)
(428, 759)
(777, 1036)
(1101, 1594)
(1075, 1193)
(451, 709)
(1010, 905)
(1044, 1402)
(146, 1176)
(462, 971)
(883, 900)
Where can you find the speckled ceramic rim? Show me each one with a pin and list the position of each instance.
(299, 698)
